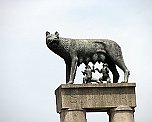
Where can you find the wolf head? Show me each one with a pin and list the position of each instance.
(52, 40)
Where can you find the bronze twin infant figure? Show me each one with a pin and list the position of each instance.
(88, 74)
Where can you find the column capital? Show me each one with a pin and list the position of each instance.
(122, 108)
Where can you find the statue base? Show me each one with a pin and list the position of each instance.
(117, 99)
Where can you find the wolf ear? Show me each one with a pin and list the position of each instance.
(47, 33)
(57, 34)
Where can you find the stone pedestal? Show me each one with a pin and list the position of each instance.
(74, 100)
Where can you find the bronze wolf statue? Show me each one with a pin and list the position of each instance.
(77, 51)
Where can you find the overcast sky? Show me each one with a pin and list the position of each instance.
(30, 72)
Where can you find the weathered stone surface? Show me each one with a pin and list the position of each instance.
(122, 114)
(73, 116)
(95, 97)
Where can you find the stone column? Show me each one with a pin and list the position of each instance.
(68, 115)
(121, 114)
